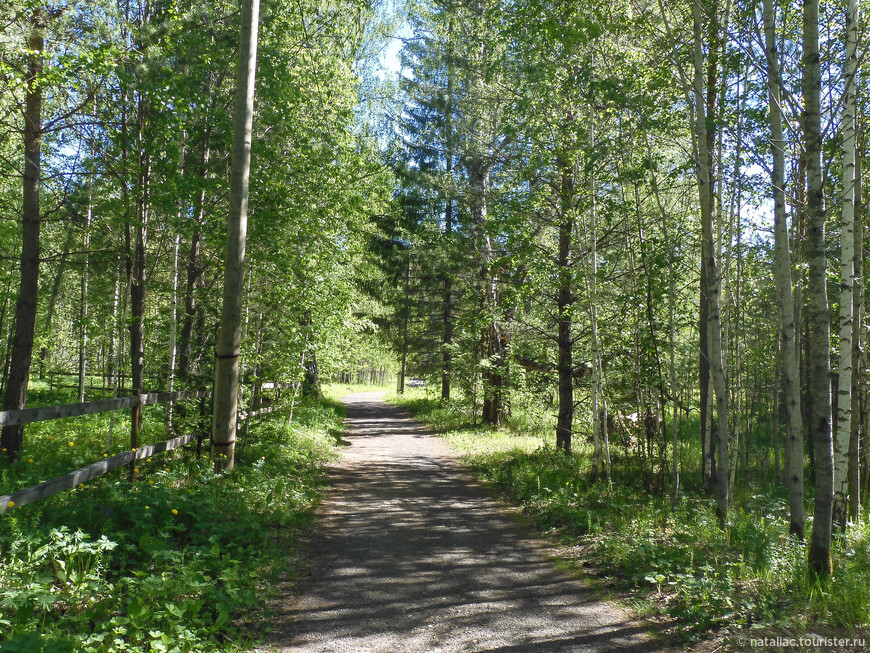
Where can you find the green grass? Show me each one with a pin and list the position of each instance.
(674, 560)
(338, 390)
(181, 561)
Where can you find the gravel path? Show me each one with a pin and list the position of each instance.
(410, 555)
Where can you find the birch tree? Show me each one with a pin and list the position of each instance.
(794, 449)
(847, 273)
(818, 313)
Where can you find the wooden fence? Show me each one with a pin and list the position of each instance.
(135, 402)
(43, 413)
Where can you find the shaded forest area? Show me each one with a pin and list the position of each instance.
(648, 221)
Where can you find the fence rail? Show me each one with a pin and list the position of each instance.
(51, 487)
(46, 489)
(43, 413)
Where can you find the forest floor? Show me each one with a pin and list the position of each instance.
(410, 554)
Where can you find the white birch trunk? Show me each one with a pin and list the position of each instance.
(790, 375)
(83, 308)
(173, 327)
(173, 298)
(847, 274)
(599, 426)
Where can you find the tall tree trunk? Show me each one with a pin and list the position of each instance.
(847, 274)
(714, 324)
(818, 313)
(406, 310)
(672, 369)
(858, 343)
(565, 302)
(226, 386)
(173, 298)
(195, 270)
(173, 326)
(83, 307)
(6, 334)
(138, 280)
(311, 380)
(709, 433)
(794, 449)
(600, 439)
(447, 341)
(492, 338)
(25, 317)
(111, 365)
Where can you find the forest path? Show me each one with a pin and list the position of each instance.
(411, 555)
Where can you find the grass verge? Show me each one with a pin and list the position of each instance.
(181, 561)
(673, 559)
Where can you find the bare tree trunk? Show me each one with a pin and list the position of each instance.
(173, 298)
(226, 386)
(565, 301)
(25, 321)
(794, 450)
(714, 324)
(600, 440)
(847, 274)
(113, 333)
(173, 326)
(858, 342)
(83, 307)
(195, 270)
(447, 341)
(492, 338)
(708, 452)
(6, 334)
(137, 285)
(406, 308)
(672, 369)
(818, 313)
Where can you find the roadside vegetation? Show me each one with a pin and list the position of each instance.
(673, 560)
(182, 560)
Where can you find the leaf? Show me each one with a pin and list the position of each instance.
(222, 618)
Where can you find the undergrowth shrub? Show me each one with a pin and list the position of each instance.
(179, 562)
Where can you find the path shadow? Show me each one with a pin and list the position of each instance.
(410, 555)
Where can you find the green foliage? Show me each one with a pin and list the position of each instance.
(181, 561)
(674, 558)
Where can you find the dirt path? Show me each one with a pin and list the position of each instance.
(410, 555)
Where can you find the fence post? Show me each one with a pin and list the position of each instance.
(135, 417)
